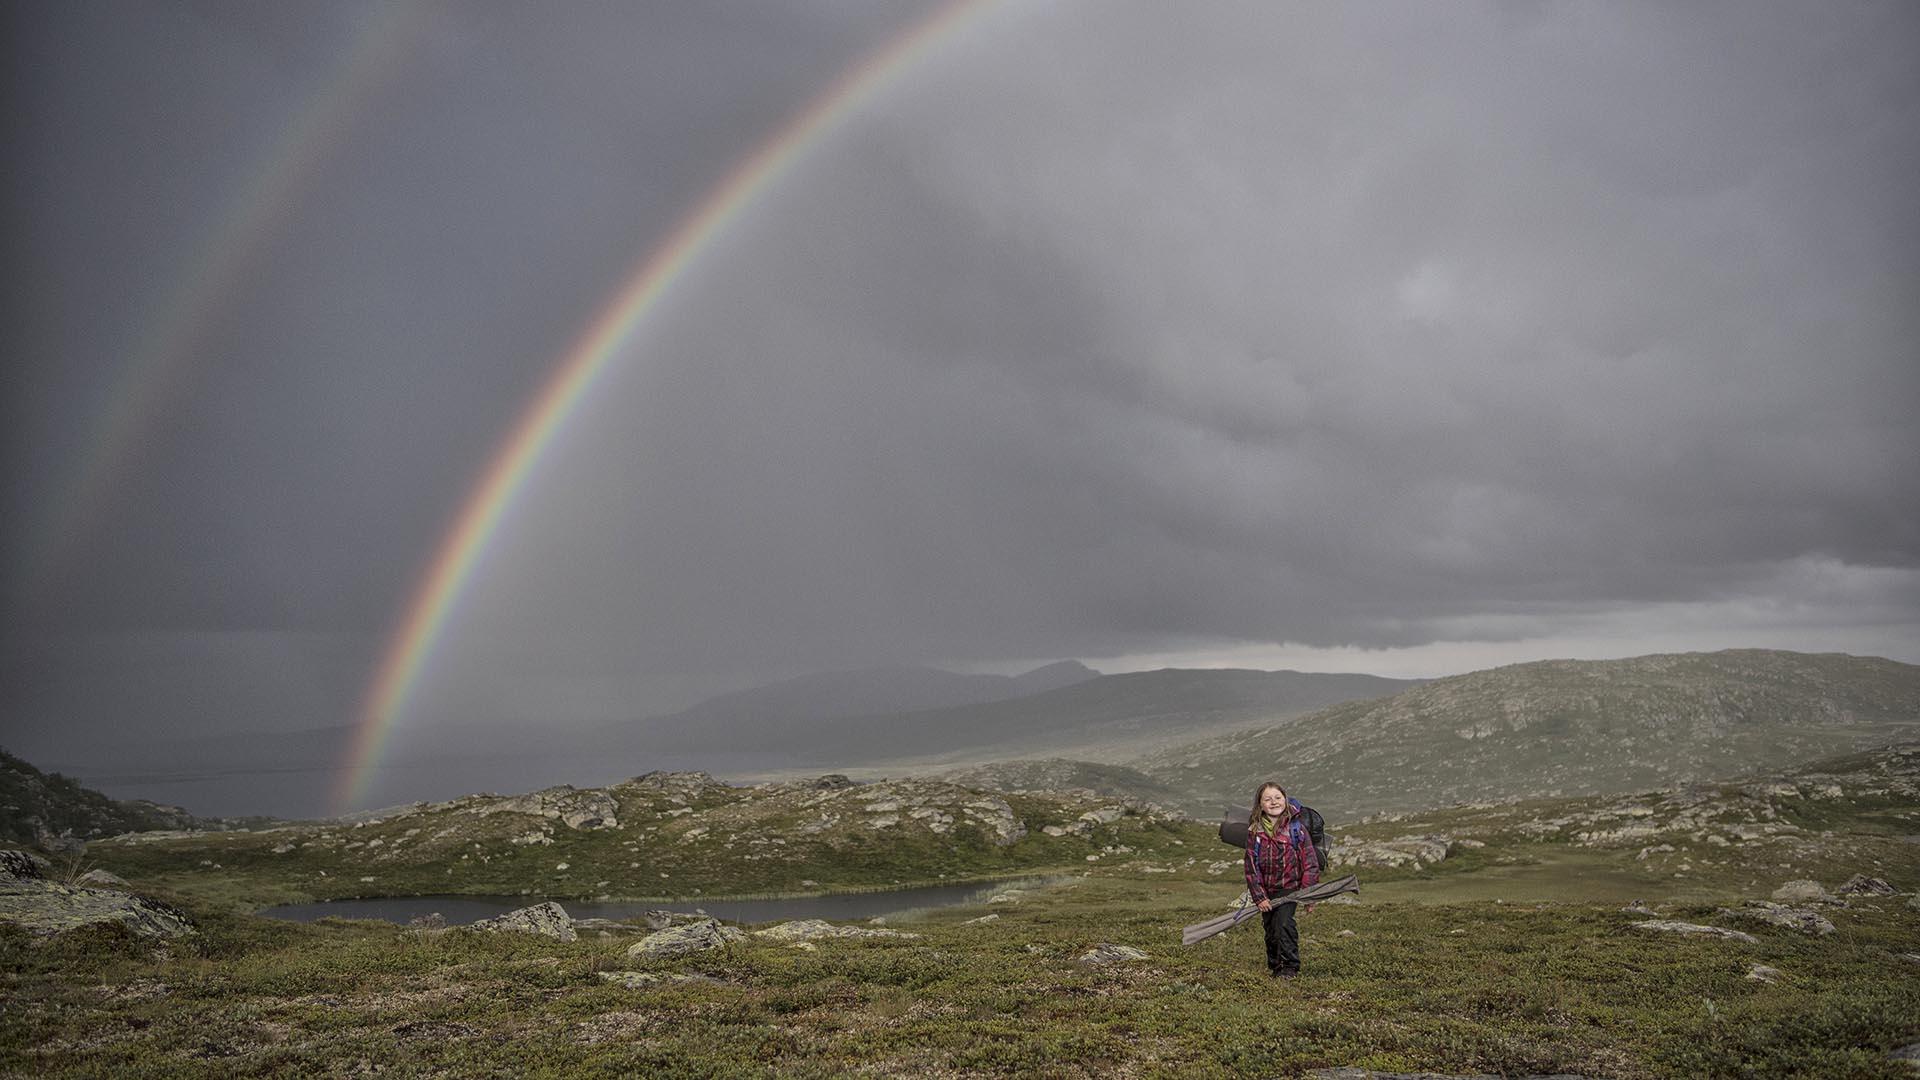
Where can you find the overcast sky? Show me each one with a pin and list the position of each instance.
(1402, 338)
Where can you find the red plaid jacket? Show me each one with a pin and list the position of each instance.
(1282, 863)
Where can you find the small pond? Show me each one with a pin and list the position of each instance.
(461, 910)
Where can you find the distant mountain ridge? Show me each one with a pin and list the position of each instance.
(829, 695)
(1560, 727)
(1107, 717)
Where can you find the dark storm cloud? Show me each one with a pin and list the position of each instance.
(1108, 329)
(1324, 327)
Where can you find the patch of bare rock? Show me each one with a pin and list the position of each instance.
(29, 900)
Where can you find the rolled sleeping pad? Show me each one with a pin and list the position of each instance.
(1233, 828)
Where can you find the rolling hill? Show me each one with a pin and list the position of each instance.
(1559, 728)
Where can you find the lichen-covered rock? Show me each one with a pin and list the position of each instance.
(679, 940)
(548, 919)
(1793, 918)
(1105, 953)
(814, 929)
(1672, 926)
(46, 907)
(102, 879)
(577, 808)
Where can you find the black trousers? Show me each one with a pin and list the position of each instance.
(1283, 938)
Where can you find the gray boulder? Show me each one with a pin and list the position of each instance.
(689, 938)
(548, 919)
(1862, 885)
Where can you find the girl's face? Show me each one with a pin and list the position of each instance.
(1273, 802)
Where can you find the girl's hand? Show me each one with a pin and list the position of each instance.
(1266, 905)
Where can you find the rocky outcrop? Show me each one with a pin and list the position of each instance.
(681, 786)
(689, 938)
(577, 808)
(1862, 885)
(548, 920)
(28, 900)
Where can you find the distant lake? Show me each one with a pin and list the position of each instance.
(461, 910)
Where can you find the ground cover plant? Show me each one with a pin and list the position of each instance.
(1495, 938)
(1475, 987)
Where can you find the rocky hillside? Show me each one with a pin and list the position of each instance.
(52, 812)
(656, 836)
(1560, 727)
(1858, 814)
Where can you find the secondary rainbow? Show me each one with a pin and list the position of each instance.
(464, 545)
(170, 336)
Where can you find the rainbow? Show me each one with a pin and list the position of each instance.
(157, 364)
(462, 548)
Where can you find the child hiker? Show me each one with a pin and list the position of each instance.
(1285, 851)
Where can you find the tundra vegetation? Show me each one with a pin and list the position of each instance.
(1739, 929)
